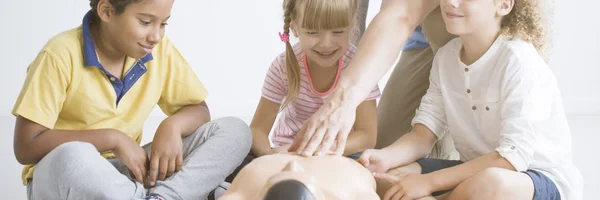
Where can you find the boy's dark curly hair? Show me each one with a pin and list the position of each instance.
(117, 5)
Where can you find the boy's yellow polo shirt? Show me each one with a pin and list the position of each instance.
(67, 88)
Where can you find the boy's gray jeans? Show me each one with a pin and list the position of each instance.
(75, 170)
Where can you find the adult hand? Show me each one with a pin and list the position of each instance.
(132, 155)
(331, 123)
(167, 153)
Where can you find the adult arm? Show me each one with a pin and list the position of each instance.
(378, 49)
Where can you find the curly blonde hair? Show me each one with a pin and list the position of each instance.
(526, 22)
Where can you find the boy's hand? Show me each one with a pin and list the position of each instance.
(131, 155)
(167, 153)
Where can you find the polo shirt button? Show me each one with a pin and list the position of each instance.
(112, 79)
(474, 107)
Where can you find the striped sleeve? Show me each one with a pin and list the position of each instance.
(274, 87)
(375, 94)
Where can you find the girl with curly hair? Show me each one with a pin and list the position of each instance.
(492, 91)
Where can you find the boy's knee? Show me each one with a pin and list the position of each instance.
(66, 156)
(231, 122)
(64, 163)
(71, 151)
(235, 127)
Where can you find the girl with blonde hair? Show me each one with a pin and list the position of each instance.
(300, 79)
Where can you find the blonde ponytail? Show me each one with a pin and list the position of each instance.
(291, 62)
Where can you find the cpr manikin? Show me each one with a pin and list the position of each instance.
(291, 177)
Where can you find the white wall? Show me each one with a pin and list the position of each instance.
(235, 41)
(575, 61)
(217, 33)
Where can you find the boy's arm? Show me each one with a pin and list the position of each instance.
(261, 125)
(37, 109)
(182, 99)
(189, 118)
(364, 135)
(378, 49)
(33, 141)
(183, 94)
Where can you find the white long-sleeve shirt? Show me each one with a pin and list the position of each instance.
(507, 101)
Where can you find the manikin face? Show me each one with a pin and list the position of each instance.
(319, 177)
(294, 171)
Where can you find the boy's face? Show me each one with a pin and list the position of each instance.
(140, 27)
(466, 16)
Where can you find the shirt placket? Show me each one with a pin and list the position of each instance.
(467, 83)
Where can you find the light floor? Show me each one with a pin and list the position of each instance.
(585, 131)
